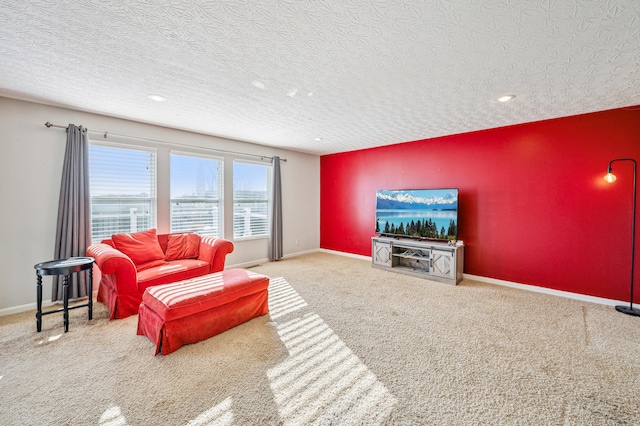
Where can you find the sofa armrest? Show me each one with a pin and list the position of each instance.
(113, 262)
(214, 251)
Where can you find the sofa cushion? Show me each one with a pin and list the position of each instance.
(183, 246)
(141, 247)
(172, 271)
(148, 265)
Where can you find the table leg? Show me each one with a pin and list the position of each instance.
(39, 302)
(90, 292)
(65, 301)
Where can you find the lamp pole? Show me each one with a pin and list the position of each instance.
(610, 177)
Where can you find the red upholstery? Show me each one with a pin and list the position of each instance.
(141, 247)
(183, 246)
(190, 311)
(176, 270)
(122, 283)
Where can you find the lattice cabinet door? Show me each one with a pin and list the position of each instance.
(382, 253)
(442, 263)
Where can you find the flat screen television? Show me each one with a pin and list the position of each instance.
(418, 213)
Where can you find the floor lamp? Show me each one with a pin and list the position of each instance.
(610, 177)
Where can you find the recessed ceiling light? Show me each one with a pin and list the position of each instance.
(258, 84)
(157, 98)
(317, 139)
(506, 98)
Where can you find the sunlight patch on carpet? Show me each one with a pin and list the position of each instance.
(283, 299)
(322, 379)
(112, 416)
(218, 415)
(51, 339)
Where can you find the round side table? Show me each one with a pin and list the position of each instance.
(64, 267)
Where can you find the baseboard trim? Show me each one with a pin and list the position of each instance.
(33, 306)
(300, 253)
(257, 262)
(553, 292)
(23, 308)
(340, 253)
(246, 265)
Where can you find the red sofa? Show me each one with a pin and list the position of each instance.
(129, 263)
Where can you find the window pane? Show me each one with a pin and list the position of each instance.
(196, 195)
(123, 190)
(250, 199)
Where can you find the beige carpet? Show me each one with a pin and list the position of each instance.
(344, 344)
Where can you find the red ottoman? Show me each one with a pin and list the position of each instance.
(189, 311)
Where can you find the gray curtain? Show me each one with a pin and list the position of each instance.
(275, 231)
(73, 234)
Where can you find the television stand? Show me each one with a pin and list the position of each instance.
(432, 260)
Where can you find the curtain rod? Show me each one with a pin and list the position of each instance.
(105, 134)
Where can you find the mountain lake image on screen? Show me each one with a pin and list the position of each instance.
(418, 213)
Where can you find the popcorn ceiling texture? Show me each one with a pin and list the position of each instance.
(356, 74)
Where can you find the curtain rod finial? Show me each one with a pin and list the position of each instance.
(48, 124)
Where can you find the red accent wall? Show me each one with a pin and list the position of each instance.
(533, 205)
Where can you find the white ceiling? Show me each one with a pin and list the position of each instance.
(355, 73)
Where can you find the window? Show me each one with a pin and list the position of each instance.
(251, 184)
(196, 194)
(123, 190)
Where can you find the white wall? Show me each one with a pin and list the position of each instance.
(30, 171)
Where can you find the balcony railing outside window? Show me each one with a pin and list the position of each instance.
(201, 215)
(117, 216)
(250, 218)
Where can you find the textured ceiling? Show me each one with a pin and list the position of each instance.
(357, 74)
